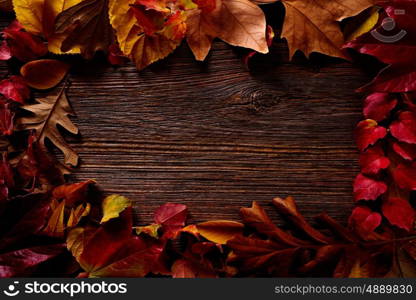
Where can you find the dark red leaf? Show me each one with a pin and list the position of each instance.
(378, 106)
(364, 221)
(15, 89)
(372, 161)
(6, 118)
(406, 151)
(404, 129)
(405, 176)
(368, 133)
(399, 212)
(366, 188)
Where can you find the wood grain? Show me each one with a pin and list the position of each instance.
(216, 136)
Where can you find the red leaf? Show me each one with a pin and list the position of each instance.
(72, 193)
(378, 106)
(23, 45)
(21, 262)
(171, 214)
(6, 119)
(366, 188)
(368, 133)
(399, 212)
(405, 176)
(364, 221)
(115, 56)
(404, 129)
(373, 161)
(15, 89)
(406, 151)
(5, 53)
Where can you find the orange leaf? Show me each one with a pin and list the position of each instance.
(44, 74)
(220, 231)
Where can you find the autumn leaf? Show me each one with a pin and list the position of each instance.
(229, 20)
(219, 231)
(49, 112)
(38, 17)
(44, 74)
(373, 160)
(366, 188)
(20, 44)
(312, 26)
(143, 49)
(86, 26)
(15, 88)
(368, 133)
(378, 106)
(112, 207)
(6, 118)
(111, 250)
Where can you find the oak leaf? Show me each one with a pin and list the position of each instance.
(48, 113)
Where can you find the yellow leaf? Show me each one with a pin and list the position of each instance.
(38, 17)
(141, 48)
(362, 24)
(113, 205)
(219, 231)
(151, 230)
(55, 226)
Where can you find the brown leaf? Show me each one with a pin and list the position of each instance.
(49, 112)
(44, 74)
(237, 22)
(312, 26)
(86, 26)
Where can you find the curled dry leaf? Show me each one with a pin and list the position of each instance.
(48, 113)
(44, 74)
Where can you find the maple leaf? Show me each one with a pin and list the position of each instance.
(237, 22)
(86, 26)
(49, 112)
(312, 26)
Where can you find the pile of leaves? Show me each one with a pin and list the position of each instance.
(54, 228)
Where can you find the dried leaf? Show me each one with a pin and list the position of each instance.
(86, 26)
(47, 114)
(219, 231)
(44, 74)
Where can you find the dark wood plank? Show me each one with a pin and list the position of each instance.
(216, 136)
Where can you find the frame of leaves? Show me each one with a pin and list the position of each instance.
(54, 228)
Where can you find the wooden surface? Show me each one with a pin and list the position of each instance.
(216, 136)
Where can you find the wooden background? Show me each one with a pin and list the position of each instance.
(216, 136)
